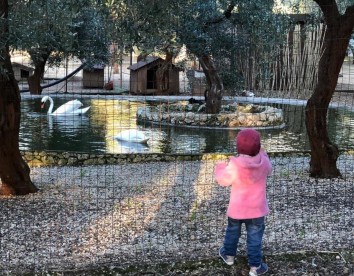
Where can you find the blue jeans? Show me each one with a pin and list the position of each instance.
(255, 229)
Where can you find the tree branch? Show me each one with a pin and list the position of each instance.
(226, 14)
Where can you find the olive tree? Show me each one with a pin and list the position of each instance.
(14, 171)
(339, 28)
(53, 30)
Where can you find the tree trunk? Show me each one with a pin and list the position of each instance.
(14, 171)
(141, 57)
(214, 94)
(34, 81)
(162, 73)
(324, 153)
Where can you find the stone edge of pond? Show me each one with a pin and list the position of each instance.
(52, 158)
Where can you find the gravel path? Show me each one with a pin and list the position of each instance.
(154, 212)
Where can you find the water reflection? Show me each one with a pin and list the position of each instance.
(94, 131)
(67, 124)
(130, 147)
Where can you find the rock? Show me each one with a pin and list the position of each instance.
(62, 162)
(234, 123)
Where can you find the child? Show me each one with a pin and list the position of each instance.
(247, 176)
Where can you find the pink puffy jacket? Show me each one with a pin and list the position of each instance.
(248, 177)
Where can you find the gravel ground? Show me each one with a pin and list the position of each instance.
(146, 213)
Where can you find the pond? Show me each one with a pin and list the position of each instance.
(94, 131)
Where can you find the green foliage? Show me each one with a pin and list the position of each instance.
(92, 43)
(58, 28)
(344, 4)
(203, 27)
(147, 25)
(252, 29)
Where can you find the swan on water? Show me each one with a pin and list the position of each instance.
(132, 135)
(70, 108)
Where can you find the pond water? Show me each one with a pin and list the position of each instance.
(94, 131)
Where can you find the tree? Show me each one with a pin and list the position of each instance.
(206, 28)
(14, 171)
(150, 27)
(91, 43)
(339, 27)
(53, 30)
(201, 27)
(216, 86)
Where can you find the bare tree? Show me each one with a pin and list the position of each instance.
(324, 153)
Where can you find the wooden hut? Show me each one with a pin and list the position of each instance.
(22, 72)
(93, 78)
(143, 77)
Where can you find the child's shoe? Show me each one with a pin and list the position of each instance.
(229, 260)
(263, 268)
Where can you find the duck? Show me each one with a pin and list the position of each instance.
(68, 109)
(132, 135)
(194, 101)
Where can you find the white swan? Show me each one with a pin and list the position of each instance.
(132, 135)
(70, 108)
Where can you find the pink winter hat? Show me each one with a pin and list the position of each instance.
(248, 142)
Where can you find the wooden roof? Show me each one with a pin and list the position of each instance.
(143, 63)
(148, 61)
(16, 64)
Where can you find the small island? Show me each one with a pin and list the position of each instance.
(231, 116)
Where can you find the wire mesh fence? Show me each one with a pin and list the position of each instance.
(87, 216)
(131, 180)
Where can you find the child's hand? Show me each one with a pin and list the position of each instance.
(262, 148)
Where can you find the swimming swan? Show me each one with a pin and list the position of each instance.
(69, 108)
(132, 135)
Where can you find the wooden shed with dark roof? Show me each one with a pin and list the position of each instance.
(143, 77)
(22, 72)
(93, 77)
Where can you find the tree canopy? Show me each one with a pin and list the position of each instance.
(50, 31)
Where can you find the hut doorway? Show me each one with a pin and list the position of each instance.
(151, 79)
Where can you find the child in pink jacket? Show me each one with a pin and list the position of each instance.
(247, 175)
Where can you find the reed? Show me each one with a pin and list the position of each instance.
(289, 69)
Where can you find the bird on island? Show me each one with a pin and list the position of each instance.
(195, 101)
(246, 93)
